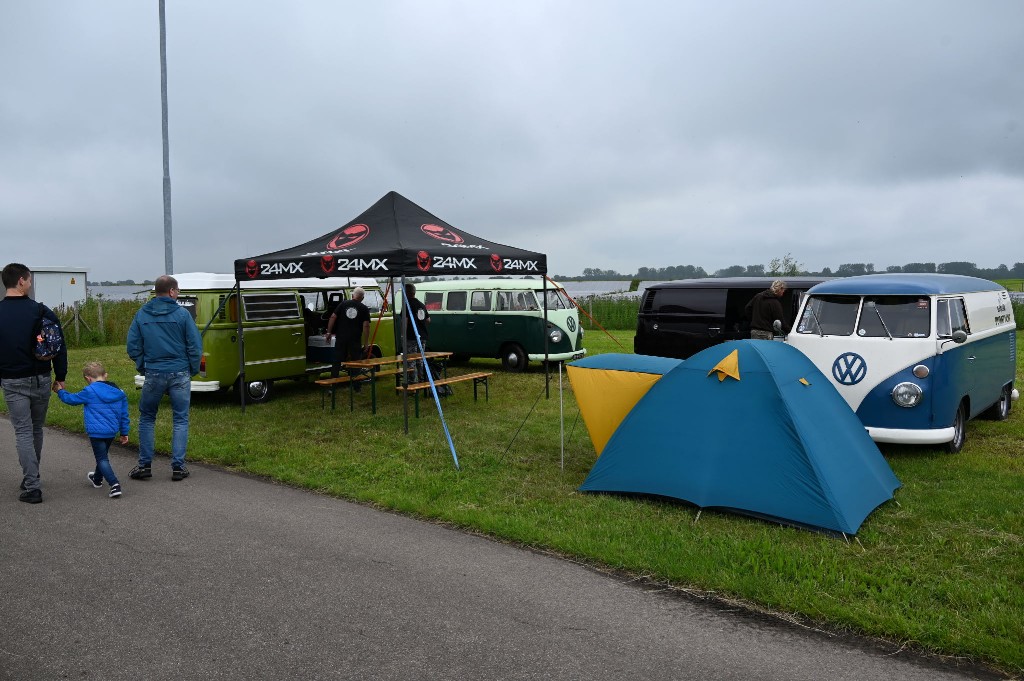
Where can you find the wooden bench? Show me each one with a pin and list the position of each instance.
(478, 378)
(329, 384)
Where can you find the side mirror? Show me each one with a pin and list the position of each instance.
(959, 336)
(777, 327)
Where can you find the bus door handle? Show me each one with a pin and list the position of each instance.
(971, 358)
(297, 333)
(471, 324)
(497, 323)
(714, 331)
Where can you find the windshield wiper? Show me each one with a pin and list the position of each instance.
(874, 306)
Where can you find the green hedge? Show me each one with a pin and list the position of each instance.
(98, 322)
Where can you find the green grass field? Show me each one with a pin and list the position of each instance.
(940, 571)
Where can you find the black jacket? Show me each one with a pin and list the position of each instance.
(19, 324)
(763, 309)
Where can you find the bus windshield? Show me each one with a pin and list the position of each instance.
(870, 317)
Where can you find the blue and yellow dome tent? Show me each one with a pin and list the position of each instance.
(608, 386)
(752, 427)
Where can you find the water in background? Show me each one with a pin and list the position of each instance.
(576, 289)
(616, 289)
(131, 292)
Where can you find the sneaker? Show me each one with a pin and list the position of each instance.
(179, 473)
(92, 479)
(141, 472)
(31, 496)
(21, 487)
(115, 491)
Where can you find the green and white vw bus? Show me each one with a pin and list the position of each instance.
(283, 321)
(503, 319)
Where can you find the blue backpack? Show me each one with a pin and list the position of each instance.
(49, 339)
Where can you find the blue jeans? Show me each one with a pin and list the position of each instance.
(27, 402)
(100, 449)
(177, 385)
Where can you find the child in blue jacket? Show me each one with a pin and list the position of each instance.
(106, 414)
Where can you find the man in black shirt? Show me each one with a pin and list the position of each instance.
(419, 317)
(351, 320)
(26, 379)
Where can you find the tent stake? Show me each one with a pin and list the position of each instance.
(698, 516)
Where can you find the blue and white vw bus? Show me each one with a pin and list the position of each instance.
(914, 355)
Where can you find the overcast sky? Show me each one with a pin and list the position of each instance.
(610, 134)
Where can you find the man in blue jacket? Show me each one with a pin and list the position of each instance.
(25, 378)
(166, 346)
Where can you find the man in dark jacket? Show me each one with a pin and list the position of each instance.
(764, 309)
(25, 378)
(167, 348)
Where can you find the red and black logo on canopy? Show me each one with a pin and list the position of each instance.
(423, 261)
(441, 233)
(327, 264)
(252, 269)
(348, 237)
(496, 262)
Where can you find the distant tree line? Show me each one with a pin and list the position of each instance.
(787, 266)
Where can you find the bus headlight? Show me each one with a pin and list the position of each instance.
(555, 335)
(907, 395)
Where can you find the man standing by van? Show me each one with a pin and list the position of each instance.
(167, 348)
(418, 317)
(764, 308)
(352, 320)
(25, 377)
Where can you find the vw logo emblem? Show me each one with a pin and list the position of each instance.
(571, 323)
(849, 368)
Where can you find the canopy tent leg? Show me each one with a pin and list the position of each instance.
(241, 343)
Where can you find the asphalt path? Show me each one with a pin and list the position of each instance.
(225, 576)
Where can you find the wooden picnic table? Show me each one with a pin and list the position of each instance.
(390, 365)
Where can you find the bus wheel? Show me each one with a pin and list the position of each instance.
(1000, 411)
(513, 357)
(256, 391)
(959, 430)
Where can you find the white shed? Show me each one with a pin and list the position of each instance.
(57, 286)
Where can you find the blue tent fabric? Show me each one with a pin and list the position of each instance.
(768, 445)
(613, 361)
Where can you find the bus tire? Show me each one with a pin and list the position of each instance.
(959, 430)
(513, 357)
(1000, 411)
(256, 392)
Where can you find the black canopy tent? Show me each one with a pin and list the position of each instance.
(392, 238)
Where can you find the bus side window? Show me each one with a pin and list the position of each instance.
(958, 316)
(950, 316)
(432, 300)
(456, 301)
(481, 301)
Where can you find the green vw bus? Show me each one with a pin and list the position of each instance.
(501, 318)
(283, 321)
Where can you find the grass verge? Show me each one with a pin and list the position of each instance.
(940, 571)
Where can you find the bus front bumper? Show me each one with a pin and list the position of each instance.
(197, 386)
(904, 436)
(559, 356)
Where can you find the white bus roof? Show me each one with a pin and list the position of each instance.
(478, 284)
(206, 281)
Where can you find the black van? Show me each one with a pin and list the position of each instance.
(681, 318)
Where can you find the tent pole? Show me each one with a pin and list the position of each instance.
(405, 351)
(241, 342)
(561, 415)
(547, 363)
